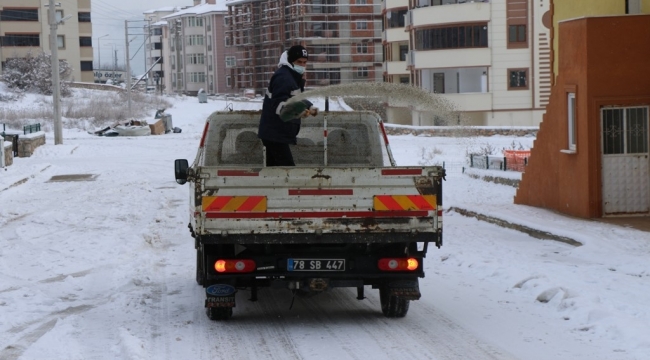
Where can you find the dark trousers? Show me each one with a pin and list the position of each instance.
(278, 154)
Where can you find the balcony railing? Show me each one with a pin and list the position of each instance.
(425, 3)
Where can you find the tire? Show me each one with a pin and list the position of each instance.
(219, 313)
(200, 272)
(392, 306)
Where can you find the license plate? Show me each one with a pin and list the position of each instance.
(316, 264)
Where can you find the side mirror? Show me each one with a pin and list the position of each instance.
(180, 170)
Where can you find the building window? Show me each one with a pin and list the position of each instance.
(59, 15)
(517, 34)
(156, 31)
(195, 22)
(396, 18)
(196, 77)
(83, 17)
(86, 66)
(452, 37)
(194, 40)
(362, 72)
(517, 79)
(625, 130)
(20, 40)
(362, 2)
(85, 41)
(228, 81)
(362, 48)
(196, 59)
(403, 51)
(404, 80)
(516, 21)
(231, 61)
(19, 15)
(362, 25)
(571, 120)
(60, 41)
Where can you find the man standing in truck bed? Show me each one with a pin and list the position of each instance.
(287, 81)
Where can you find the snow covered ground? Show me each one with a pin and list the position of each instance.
(104, 269)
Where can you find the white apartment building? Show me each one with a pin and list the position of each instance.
(395, 40)
(489, 57)
(197, 53)
(156, 49)
(24, 27)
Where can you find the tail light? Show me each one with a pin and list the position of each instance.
(398, 264)
(234, 265)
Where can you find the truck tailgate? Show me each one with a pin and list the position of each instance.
(303, 200)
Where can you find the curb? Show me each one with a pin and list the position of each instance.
(538, 234)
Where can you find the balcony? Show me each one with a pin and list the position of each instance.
(85, 28)
(452, 58)
(451, 13)
(465, 87)
(470, 101)
(395, 67)
(86, 52)
(396, 34)
(391, 4)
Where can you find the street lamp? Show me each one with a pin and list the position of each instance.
(99, 51)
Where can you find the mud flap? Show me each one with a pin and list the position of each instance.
(220, 295)
(404, 289)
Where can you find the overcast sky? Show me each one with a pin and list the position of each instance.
(108, 18)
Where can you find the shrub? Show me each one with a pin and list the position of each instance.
(34, 73)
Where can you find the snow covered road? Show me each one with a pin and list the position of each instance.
(104, 269)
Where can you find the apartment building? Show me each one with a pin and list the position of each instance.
(343, 38)
(24, 27)
(489, 57)
(395, 40)
(197, 54)
(156, 50)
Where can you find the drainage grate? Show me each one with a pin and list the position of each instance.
(73, 177)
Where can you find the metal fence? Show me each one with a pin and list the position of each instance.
(513, 160)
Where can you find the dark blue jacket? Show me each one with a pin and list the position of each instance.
(284, 84)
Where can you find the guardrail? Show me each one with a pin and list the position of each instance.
(514, 160)
(28, 129)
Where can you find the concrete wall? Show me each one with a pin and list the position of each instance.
(570, 9)
(571, 182)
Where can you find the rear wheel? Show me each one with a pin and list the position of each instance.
(392, 306)
(219, 313)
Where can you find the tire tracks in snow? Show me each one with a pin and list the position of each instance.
(15, 350)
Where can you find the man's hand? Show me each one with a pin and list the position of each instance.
(313, 111)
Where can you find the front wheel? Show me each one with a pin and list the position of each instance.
(219, 313)
(391, 305)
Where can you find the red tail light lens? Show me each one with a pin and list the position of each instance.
(398, 264)
(234, 265)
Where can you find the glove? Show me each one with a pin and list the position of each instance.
(294, 110)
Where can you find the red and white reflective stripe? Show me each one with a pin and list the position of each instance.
(397, 172)
(237, 173)
(317, 192)
(285, 215)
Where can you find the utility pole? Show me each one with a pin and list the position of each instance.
(56, 89)
(99, 51)
(128, 67)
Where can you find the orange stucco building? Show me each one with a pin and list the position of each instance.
(591, 156)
